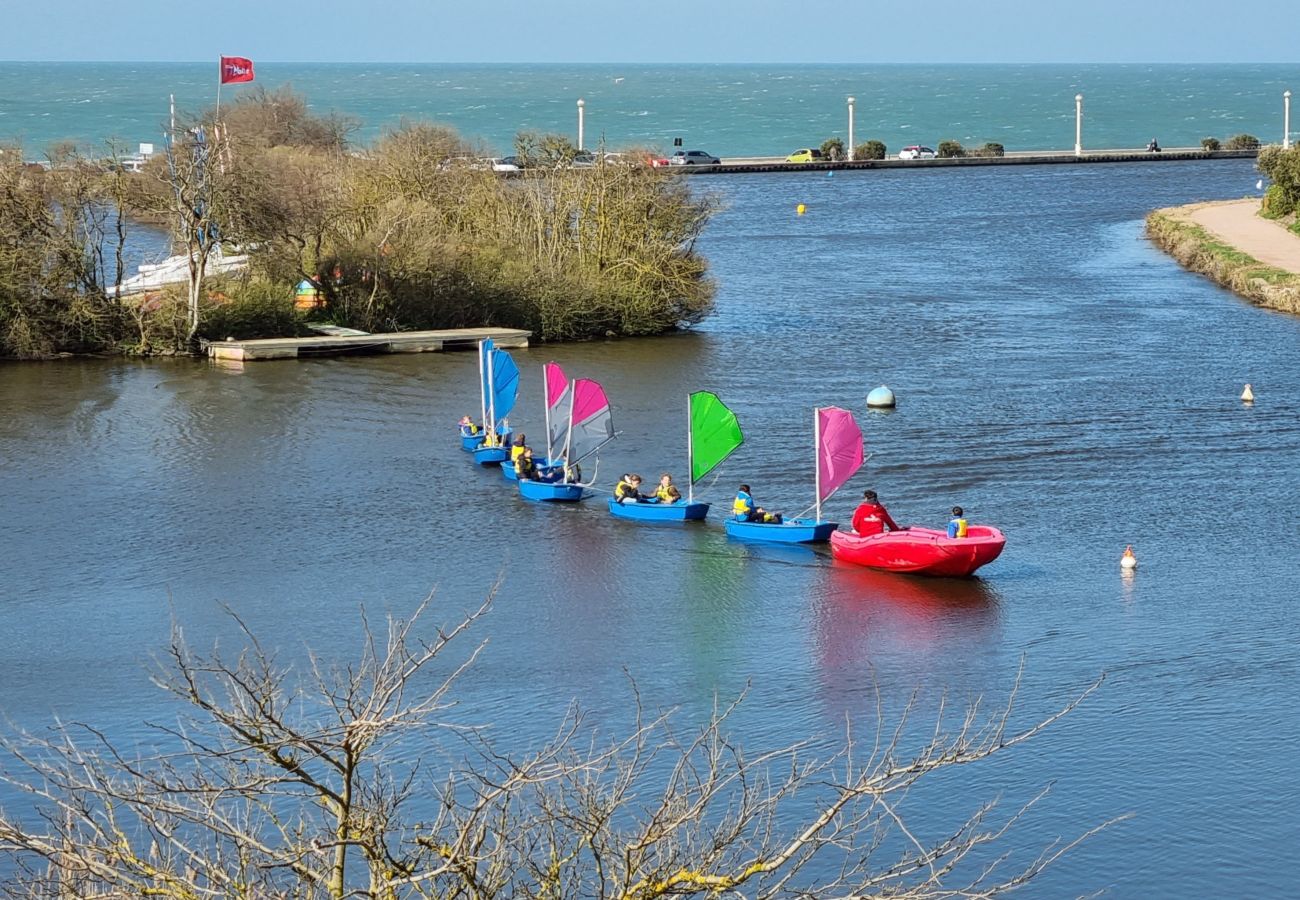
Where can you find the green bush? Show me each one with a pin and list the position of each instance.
(1282, 168)
(833, 149)
(870, 150)
(1242, 142)
(1211, 144)
(1276, 203)
(250, 309)
(951, 149)
(992, 148)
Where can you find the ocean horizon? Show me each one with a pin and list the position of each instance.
(729, 109)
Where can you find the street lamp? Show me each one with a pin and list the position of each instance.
(850, 129)
(1286, 120)
(1078, 124)
(581, 104)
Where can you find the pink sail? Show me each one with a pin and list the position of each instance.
(591, 425)
(557, 407)
(556, 385)
(839, 451)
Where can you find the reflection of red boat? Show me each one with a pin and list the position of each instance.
(921, 551)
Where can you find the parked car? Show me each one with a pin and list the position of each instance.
(657, 162)
(504, 164)
(583, 160)
(693, 158)
(810, 154)
(916, 152)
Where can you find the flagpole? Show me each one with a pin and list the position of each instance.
(219, 74)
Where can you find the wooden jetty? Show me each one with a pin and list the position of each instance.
(360, 342)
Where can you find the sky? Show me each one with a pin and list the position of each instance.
(629, 31)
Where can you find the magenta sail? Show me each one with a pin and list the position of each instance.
(591, 424)
(557, 408)
(839, 449)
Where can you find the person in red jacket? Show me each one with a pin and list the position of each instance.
(872, 518)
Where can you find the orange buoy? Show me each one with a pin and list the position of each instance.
(1129, 560)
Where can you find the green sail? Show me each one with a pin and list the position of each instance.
(715, 433)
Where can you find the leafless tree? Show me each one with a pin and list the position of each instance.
(286, 781)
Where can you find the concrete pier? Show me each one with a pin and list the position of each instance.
(744, 164)
(338, 345)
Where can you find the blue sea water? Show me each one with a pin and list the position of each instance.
(740, 109)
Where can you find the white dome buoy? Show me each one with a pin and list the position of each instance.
(1247, 396)
(881, 397)
(1128, 560)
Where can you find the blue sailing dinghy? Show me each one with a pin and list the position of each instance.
(590, 426)
(837, 446)
(654, 511)
(499, 388)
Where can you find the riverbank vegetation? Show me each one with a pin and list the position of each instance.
(410, 233)
(1206, 254)
(338, 780)
(1282, 199)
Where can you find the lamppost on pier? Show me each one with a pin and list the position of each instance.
(581, 110)
(1286, 120)
(1078, 124)
(851, 145)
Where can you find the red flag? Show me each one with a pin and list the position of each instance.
(235, 69)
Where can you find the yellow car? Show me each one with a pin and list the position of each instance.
(806, 155)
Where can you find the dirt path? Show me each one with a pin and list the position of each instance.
(1236, 223)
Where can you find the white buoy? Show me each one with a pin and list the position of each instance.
(1247, 396)
(1128, 560)
(881, 398)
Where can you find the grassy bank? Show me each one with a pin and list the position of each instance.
(1208, 255)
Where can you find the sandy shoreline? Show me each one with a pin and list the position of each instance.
(1228, 242)
(1237, 222)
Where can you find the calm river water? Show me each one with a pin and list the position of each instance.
(1057, 376)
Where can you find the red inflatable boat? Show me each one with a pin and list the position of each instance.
(921, 551)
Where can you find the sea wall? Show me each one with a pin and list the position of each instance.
(1233, 268)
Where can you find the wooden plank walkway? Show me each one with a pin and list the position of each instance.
(395, 342)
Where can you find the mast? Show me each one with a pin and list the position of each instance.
(546, 405)
(491, 397)
(568, 436)
(690, 456)
(482, 388)
(817, 463)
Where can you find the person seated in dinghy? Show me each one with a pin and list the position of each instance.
(525, 468)
(745, 510)
(628, 490)
(667, 491)
(467, 426)
(520, 445)
(871, 517)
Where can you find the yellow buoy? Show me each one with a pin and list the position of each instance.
(1247, 396)
(801, 209)
(1128, 560)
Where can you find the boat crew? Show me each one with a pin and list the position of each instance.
(871, 517)
(958, 527)
(745, 510)
(667, 491)
(525, 468)
(521, 444)
(629, 489)
(467, 426)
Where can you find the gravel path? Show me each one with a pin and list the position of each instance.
(1237, 223)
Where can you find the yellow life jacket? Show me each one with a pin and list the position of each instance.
(743, 505)
(516, 452)
(665, 493)
(962, 527)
